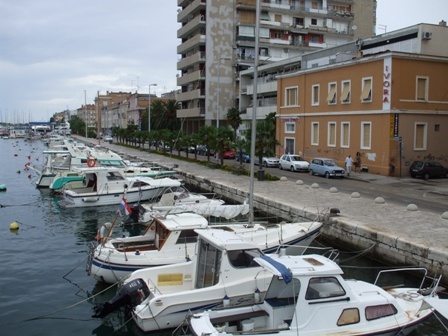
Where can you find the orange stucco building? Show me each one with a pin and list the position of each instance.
(392, 107)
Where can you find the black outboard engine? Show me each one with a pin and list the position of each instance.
(130, 295)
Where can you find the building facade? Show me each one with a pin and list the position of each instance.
(389, 105)
(218, 42)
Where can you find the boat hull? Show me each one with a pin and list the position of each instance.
(74, 200)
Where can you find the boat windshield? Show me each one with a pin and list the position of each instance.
(244, 258)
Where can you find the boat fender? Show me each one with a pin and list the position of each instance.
(102, 232)
(130, 295)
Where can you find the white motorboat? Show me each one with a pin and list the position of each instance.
(171, 239)
(63, 158)
(108, 185)
(309, 297)
(177, 200)
(160, 297)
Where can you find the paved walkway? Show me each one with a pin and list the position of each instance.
(425, 232)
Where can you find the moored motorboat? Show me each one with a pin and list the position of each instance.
(308, 296)
(107, 186)
(171, 239)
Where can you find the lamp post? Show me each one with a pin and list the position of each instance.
(218, 107)
(85, 111)
(149, 108)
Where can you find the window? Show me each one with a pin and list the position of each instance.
(314, 22)
(422, 89)
(379, 311)
(208, 261)
(331, 98)
(244, 258)
(278, 18)
(315, 95)
(187, 236)
(349, 316)
(345, 134)
(290, 127)
(331, 134)
(291, 96)
(315, 134)
(366, 94)
(324, 288)
(345, 93)
(366, 135)
(420, 134)
(246, 31)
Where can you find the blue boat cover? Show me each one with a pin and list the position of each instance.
(282, 269)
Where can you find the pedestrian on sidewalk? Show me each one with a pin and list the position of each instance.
(348, 164)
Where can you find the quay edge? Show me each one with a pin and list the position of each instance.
(339, 230)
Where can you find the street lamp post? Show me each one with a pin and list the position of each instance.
(218, 107)
(149, 108)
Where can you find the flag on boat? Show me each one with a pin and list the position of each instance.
(124, 207)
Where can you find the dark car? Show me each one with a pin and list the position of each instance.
(428, 169)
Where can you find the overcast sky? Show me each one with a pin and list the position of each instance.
(52, 51)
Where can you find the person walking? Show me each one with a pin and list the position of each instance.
(348, 164)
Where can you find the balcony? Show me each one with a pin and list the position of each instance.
(190, 95)
(196, 23)
(191, 60)
(194, 112)
(191, 43)
(192, 8)
(191, 77)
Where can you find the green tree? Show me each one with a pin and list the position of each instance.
(77, 125)
(224, 141)
(234, 118)
(208, 135)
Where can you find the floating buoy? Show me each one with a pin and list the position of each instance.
(14, 225)
(15, 155)
(2, 187)
(18, 172)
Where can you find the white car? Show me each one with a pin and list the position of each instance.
(267, 161)
(108, 138)
(294, 163)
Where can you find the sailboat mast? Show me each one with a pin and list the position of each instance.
(254, 113)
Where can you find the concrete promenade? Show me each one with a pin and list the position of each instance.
(398, 235)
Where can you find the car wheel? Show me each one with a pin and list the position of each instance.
(280, 166)
(426, 176)
(446, 175)
(311, 172)
(327, 175)
(412, 175)
(265, 164)
(292, 168)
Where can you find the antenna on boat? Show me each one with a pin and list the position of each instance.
(254, 116)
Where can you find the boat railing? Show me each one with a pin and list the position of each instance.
(429, 285)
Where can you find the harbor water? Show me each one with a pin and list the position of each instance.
(44, 287)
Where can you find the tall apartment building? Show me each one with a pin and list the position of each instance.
(218, 42)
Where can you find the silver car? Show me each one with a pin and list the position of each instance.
(293, 163)
(326, 167)
(267, 161)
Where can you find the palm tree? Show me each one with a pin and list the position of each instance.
(234, 118)
(224, 141)
(208, 136)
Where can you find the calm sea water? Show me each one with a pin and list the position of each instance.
(44, 288)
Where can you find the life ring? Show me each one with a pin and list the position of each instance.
(91, 163)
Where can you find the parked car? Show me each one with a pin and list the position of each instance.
(326, 167)
(243, 157)
(203, 150)
(229, 154)
(428, 169)
(293, 163)
(271, 161)
(108, 138)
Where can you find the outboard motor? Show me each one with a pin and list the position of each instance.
(130, 295)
